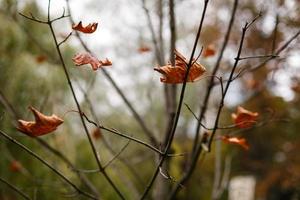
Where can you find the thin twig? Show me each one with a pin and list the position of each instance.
(66, 38)
(17, 190)
(117, 155)
(261, 56)
(114, 131)
(47, 164)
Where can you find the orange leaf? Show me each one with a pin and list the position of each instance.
(175, 74)
(244, 118)
(209, 51)
(42, 125)
(90, 28)
(234, 140)
(86, 58)
(15, 166)
(106, 62)
(144, 49)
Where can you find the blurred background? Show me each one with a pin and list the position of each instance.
(31, 74)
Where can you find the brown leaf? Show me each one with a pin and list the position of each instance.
(234, 140)
(209, 51)
(244, 118)
(144, 49)
(41, 58)
(42, 125)
(90, 28)
(175, 74)
(86, 58)
(106, 62)
(97, 134)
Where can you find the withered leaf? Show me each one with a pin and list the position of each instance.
(244, 118)
(209, 51)
(90, 28)
(234, 140)
(86, 58)
(42, 125)
(175, 74)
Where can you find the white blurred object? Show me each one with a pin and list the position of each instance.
(242, 188)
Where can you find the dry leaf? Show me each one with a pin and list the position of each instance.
(41, 58)
(209, 51)
(97, 134)
(234, 140)
(244, 118)
(42, 125)
(15, 166)
(144, 49)
(175, 74)
(106, 62)
(90, 28)
(86, 58)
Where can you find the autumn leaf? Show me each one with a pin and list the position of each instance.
(144, 49)
(41, 58)
(175, 74)
(244, 118)
(86, 58)
(106, 62)
(234, 140)
(209, 51)
(42, 125)
(15, 166)
(90, 28)
(96, 133)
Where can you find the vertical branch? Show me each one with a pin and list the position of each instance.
(197, 149)
(79, 108)
(218, 168)
(153, 35)
(204, 104)
(170, 140)
(171, 89)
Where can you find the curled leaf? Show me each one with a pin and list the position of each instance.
(175, 74)
(42, 125)
(90, 28)
(209, 51)
(234, 140)
(244, 118)
(86, 58)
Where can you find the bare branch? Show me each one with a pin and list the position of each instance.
(197, 149)
(32, 18)
(172, 133)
